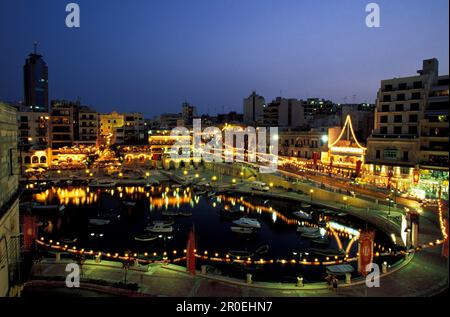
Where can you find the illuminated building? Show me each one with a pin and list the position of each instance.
(284, 112)
(87, 126)
(116, 128)
(63, 123)
(303, 144)
(410, 137)
(9, 204)
(345, 150)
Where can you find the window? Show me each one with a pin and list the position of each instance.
(399, 107)
(387, 98)
(390, 154)
(405, 155)
(385, 108)
(414, 107)
(397, 130)
(388, 88)
(383, 119)
(400, 97)
(417, 85)
(413, 118)
(377, 155)
(402, 86)
(383, 130)
(415, 95)
(398, 118)
(412, 130)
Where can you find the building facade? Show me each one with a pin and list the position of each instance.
(405, 141)
(253, 108)
(9, 203)
(35, 76)
(63, 123)
(88, 121)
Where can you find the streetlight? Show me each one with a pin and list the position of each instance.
(345, 198)
(271, 187)
(311, 191)
(389, 204)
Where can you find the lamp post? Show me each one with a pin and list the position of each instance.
(345, 198)
(311, 191)
(271, 187)
(389, 208)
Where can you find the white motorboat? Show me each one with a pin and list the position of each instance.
(158, 228)
(99, 222)
(185, 213)
(241, 230)
(302, 215)
(145, 237)
(129, 203)
(311, 235)
(163, 222)
(247, 223)
(169, 213)
(302, 229)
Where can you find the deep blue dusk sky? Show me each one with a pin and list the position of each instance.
(150, 56)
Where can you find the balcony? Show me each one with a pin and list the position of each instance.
(394, 136)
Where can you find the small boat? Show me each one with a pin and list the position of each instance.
(99, 222)
(328, 212)
(163, 222)
(247, 222)
(328, 252)
(145, 237)
(265, 202)
(129, 203)
(211, 194)
(185, 213)
(241, 230)
(342, 214)
(302, 215)
(68, 240)
(160, 228)
(305, 206)
(169, 213)
(102, 184)
(262, 249)
(303, 229)
(240, 254)
(200, 193)
(311, 235)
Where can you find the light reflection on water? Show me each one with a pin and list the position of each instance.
(213, 233)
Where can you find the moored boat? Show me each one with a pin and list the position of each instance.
(158, 228)
(328, 252)
(145, 237)
(99, 222)
(302, 215)
(247, 222)
(242, 230)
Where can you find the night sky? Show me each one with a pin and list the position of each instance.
(150, 56)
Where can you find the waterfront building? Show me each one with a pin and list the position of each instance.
(35, 78)
(63, 123)
(303, 145)
(88, 121)
(111, 128)
(9, 203)
(410, 136)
